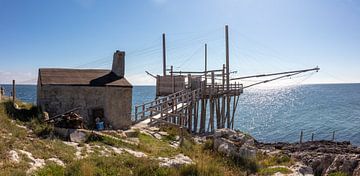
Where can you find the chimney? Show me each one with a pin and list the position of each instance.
(118, 66)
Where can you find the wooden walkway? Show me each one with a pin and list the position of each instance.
(181, 109)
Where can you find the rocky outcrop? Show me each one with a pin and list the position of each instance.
(176, 161)
(234, 143)
(324, 157)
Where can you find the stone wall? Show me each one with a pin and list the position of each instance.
(115, 101)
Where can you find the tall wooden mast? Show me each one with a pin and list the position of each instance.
(227, 57)
(164, 54)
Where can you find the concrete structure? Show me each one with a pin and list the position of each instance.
(98, 93)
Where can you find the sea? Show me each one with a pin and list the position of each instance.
(279, 114)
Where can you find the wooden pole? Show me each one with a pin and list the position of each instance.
(228, 98)
(312, 136)
(13, 92)
(218, 113)
(172, 80)
(301, 136)
(212, 102)
(136, 113)
(227, 57)
(223, 119)
(205, 59)
(164, 54)
(189, 81)
(333, 136)
(196, 115)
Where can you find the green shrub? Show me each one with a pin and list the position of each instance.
(246, 163)
(273, 170)
(51, 170)
(208, 145)
(40, 128)
(338, 174)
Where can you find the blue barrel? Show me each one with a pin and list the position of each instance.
(100, 126)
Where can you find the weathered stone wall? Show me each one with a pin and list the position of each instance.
(115, 101)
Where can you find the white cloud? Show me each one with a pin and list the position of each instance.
(141, 79)
(20, 77)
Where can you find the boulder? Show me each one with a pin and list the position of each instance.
(234, 143)
(301, 169)
(356, 171)
(176, 161)
(131, 133)
(78, 136)
(343, 163)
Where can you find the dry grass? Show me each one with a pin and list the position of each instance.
(43, 145)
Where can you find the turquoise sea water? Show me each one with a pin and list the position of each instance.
(279, 114)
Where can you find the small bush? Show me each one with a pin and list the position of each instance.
(245, 163)
(208, 145)
(273, 170)
(40, 128)
(338, 174)
(51, 170)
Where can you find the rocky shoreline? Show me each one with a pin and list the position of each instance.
(311, 158)
(324, 157)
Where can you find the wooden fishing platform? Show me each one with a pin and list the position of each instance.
(185, 97)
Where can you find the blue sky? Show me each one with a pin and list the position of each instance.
(265, 36)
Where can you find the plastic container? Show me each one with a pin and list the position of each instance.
(100, 126)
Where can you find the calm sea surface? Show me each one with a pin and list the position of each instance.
(279, 114)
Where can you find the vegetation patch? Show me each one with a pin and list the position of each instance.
(274, 160)
(338, 174)
(50, 169)
(273, 170)
(155, 147)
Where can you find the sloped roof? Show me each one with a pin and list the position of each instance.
(81, 77)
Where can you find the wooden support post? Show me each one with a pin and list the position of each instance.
(151, 106)
(143, 111)
(136, 113)
(301, 136)
(174, 109)
(212, 101)
(312, 136)
(164, 54)
(172, 80)
(13, 92)
(233, 113)
(203, 115)
(192, 108)
(228, 101)
(223, 119)
(196, 115)
(218, 113)
(189, 81)
(333, 136)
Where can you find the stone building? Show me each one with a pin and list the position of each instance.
(97, 93)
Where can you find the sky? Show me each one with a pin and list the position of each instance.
(265, 36)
